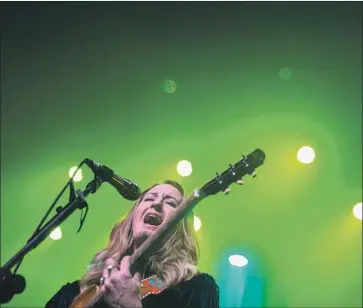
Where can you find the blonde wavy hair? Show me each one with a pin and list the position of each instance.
(176, 261)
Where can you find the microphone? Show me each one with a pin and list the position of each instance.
(126, 188)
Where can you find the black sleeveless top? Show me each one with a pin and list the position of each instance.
(201, 291)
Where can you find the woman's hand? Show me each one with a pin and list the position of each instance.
(118, 287)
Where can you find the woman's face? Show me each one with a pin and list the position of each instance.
(153, 210)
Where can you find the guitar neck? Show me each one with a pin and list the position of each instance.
(152, 243)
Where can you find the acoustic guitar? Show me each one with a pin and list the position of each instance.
(154, 285)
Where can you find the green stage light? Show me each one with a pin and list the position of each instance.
(285, 73)
(169, 86)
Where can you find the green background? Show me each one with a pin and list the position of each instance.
(85, 80)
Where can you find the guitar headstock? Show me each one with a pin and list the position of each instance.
(234, 174)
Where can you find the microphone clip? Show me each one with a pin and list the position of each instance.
(101, 172)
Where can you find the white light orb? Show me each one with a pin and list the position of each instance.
(238, 260)
(56, 234)
(197, 223)
(357, 211)
(306, 155)
(184, 168)
(78, 176)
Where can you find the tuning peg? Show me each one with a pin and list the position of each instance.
(240, 182)
(227, 191)
(219, 178)
(254, 174)
(231, 168)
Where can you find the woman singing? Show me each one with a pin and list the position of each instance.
(182, 285)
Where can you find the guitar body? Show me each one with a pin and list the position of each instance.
(86, 297)
(151, 285)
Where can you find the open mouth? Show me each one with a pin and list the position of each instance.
(152, 219)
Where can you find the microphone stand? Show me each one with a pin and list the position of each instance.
(11, 284)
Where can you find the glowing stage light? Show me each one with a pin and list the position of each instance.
(78, 176)
(238, 260)
(169, 86)
(184, 168)
(285, 73)
(357, 211)
(197, 223)
(56, 234)
(306, 155)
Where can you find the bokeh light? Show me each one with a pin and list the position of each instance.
(56, 234)
(238, 260)
(184, 168)
(357, 211)
(169, 86)
(306, 155)
(197, 223)
(285, 73)
(78, 176)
